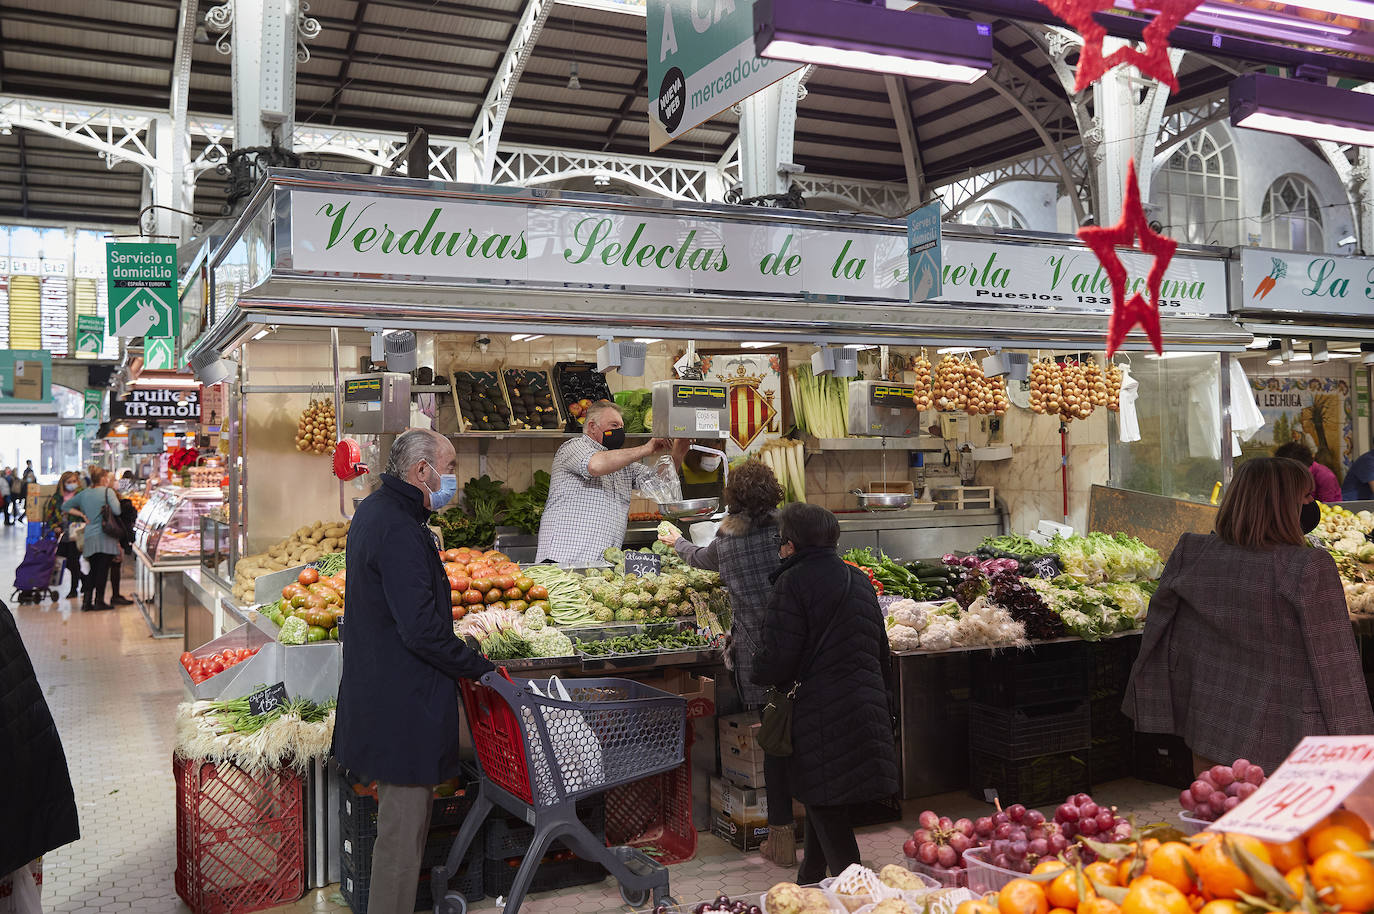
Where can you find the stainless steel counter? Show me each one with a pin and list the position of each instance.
(918, 534)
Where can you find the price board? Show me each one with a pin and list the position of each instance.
(1321, 774)
(267, 700)
(643, 563)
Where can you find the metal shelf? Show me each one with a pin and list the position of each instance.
(914, 443)
(529, 434)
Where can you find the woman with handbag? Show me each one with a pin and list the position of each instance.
(53, 516)
(824, 652)
(100, 505)
(745, 554)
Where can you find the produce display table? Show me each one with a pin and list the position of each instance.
(161, 594)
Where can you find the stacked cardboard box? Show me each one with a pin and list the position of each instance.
(38, 496)
(739, 800)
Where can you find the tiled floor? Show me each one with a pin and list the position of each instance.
(113, 690)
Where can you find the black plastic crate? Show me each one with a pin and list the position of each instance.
(358, 812)
(1112, 663)
(508, 837)
(1164, 759)
(876, 812)
(1044, 675)
(1109, 757)
(1041, 781)
(1018, 733)
(354, 883)
(575, 381)
(551, 874)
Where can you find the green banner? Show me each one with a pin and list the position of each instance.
(159, 353)
(26, 375)
(142, 281)
(90, 334)
(93, 406)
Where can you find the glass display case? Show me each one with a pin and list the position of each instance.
(168, 527)
(214, 549)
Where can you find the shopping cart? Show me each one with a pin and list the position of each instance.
(39, 573)
(538, 755)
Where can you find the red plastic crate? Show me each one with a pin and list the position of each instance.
(655, 815)
(240, 837)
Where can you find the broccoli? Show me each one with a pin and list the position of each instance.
(293, 631)
(535, 619)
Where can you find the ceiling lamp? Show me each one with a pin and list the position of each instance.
(1301, 108)
(855, 35)
(574, 83)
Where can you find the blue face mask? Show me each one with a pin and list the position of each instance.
(448, 487)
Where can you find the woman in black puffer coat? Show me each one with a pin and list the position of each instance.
(40, 813)
(843, 749)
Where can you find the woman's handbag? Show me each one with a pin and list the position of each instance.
(76, 532)
(775, 732)
(112, 524)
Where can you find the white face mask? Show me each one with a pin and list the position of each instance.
(710, 463)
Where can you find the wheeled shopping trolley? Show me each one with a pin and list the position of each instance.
(538, 755)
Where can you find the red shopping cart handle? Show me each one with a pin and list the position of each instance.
(506, 675)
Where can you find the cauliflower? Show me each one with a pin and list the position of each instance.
(535, 619)
(908, 615)
(903, 638)
(550, 642)
(938, 635)
(293, 631)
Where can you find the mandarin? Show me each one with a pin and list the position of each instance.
(1021, 896)
(1049, 866)
(976, 906)
(1288, 855)
(1149, 895)
(1102, 872)
(1351, 821)
(1327, 838)
(1176, 864)
(1063, 890)
(1222, 906)
(1098, 905)
(1221, 876)
(1349, 877)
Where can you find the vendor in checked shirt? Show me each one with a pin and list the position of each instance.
(591, 481)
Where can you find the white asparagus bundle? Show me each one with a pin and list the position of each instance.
(787, 459)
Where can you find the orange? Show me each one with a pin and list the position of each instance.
(1351, 821)
(1288, 855)
(976, 906)
(1175, 864)
(1327, 838)
(1221, 876)
(1098, 905)
(1062, 891)
(1102, 873)
(1224, 906)
(1128, 868)
(1297, 880)
(1149, 895)
(1048, 866)
(1021, 896)
(1349, 877)
(1062, 910)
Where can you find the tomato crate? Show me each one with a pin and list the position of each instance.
(1041, 781)
(655, 815)
(508, 837)
(1017, 733)
(240, 837)
(1044, 675)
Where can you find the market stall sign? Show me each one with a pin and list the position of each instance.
(158, 403)
(142, 282)
(701, 61)
(265, 701)
(90, 334)
(643, 563)
(923, 253)
(92, 404)
(1288, 281)
(159, 353)
(1318, 776)
(566, 247)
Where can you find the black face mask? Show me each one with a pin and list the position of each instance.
(1309, 517)
(613, 438)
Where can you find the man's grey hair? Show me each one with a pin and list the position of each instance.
(600, 408)
(410, 447)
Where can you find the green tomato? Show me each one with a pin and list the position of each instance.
(316, 633)
(334, 633)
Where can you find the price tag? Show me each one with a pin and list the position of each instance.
(1322, 773)
(643, 563)
(266, 700)
(1046, 566)
(708, 420)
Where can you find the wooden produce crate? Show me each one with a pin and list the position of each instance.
(533, 400)
(480, 402)
(965, 498)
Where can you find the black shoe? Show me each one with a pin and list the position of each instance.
(73, 594)
(102, 606)
(121, 601)
(85, 606)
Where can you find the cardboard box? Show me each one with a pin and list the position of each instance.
(743, 768)
(30, 388)
(742, 805)
(739, 731)
(743, 837)
(38, 497)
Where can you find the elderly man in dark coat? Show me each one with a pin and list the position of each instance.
(40, 812)
(843, 749)
(397, 719)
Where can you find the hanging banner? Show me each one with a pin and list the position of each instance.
(566, 247)
(93, 405)
(25, 376)
(923, 253)
(158, 403)
(159, 353)
(701, 61)
(1289, 282)
(90, 334)
(142, 285)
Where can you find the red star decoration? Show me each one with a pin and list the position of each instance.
(1152, 62)
(1104, 241)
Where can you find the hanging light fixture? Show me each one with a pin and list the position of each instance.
(573, 82)
(1304, 107)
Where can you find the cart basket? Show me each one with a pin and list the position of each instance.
(548, 751)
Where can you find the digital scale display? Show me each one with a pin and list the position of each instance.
(710, 396)
(362, 390)
(893, 395)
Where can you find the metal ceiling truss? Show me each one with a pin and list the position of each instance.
(115, 134)
(491, 116)
(960, 193)
(1181, 122)
(878, 198)
(525, 166)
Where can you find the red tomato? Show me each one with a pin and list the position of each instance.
(308, 576)
(503, 581)
(216, 666)
(512, 593)
(472, 597)
(459, 612)
(187, 659)
(455, 597)
(508, 568)
(453, 580)
(449, 555)
(463, 583)
(494, 596)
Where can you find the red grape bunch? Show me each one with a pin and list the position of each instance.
(1220, 789)
(722, 904)
(1018, 838)
(1081, 815)
(940, 841)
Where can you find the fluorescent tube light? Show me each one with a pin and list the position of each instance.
(1355, 8)
(756, 345)
(860, 36)
(647, 340)
(1298, 108)
(1286, 22)
(264, 331)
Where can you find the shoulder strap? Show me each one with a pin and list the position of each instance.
(834, 617)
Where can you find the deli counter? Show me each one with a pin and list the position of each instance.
(166, 543)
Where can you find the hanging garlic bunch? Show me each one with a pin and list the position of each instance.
(1044, 381)
(922, 398)
(1097, 384)
(1113, 380)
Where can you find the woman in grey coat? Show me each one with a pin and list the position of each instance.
(1248, 646)
(745, 554)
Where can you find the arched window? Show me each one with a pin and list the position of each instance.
(994, 214)
(1198, 191)
(1292, 216)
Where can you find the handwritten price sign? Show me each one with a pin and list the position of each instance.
(1322, 773)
